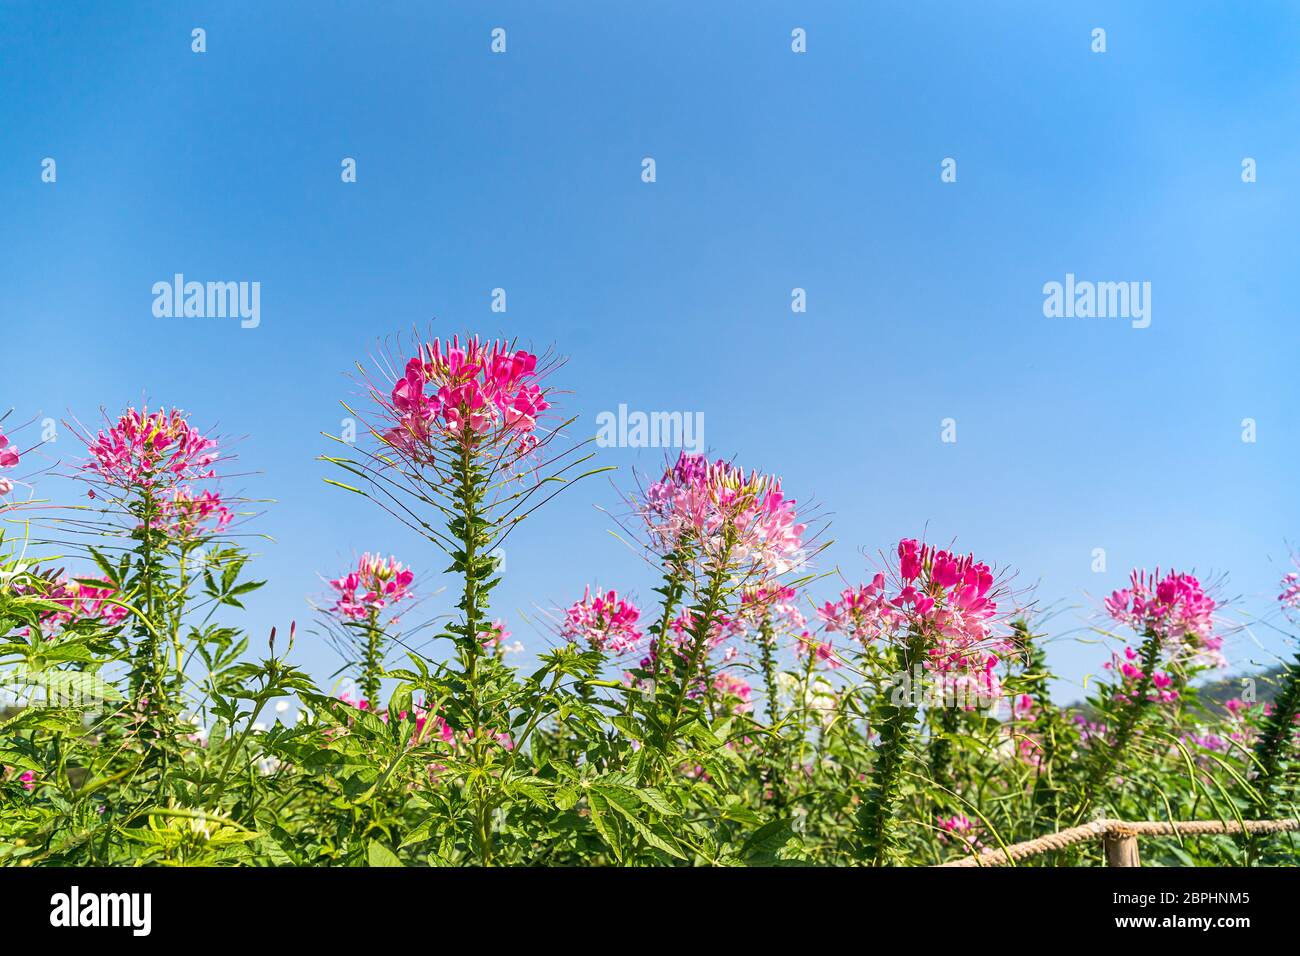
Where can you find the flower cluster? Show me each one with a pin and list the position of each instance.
(970, 688)
(494, 636)
(27, 778)
(734, 691)
(959, 829)
(1131, 674)
(481, 393)
(1022, 741)
(186, 516)
(606, 622)
(1207, 741)
(863, 613)
(823, 651)
(725, 513)
(8, 459)
(773, 602)
(148, 450)
(1240, 729)
(1176, 609)
(84, 600)
(375, 583)
(946, 598)
(1290, 596)
(1092, 733)
(1246, 717)
(87, 599)
(424, 720)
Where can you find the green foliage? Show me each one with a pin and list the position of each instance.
(154, 744)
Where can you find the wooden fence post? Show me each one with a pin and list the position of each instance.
(1121, 847)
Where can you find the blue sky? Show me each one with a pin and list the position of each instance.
(775, 170)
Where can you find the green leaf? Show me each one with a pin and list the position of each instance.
(380, 855)
(419, 835)
(764, 843)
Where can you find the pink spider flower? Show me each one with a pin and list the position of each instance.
(949, 600)
(375, 583)
(731, 691)
(606, 622)
(1176, 609)
(8, 452)
(1243, 719)
(184, 515)
(1022, 708)
(1208, 741)
(971, 689)
(725, 627)
(8, 459)
(863, 614)
(479, 394)
(1290, 596)
(427, 724)
(772, 601)
(1092, 733)
(144, 449)
(494, 635)
(719, 510)
(81, 601)
(1130, 674)
(823, 651)
(1028, 746)
(442, 730)
(959, 829)
(27, 778)
(736, 693)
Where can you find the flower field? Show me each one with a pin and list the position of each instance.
(755, 711)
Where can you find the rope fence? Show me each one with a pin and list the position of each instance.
(1120, 839)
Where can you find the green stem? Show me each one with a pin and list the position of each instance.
(370, 665)
(239, 745)
(700, 633)
(674, 588)
(946, 725)
(471, 648)
(1109, 756)
(894, 723)
(772, 758)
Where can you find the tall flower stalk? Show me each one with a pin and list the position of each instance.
(363, 617)
(938, 616)
(462, 457)
(893, 718)
(147, 466)
(1176, 621)
(718, 530)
